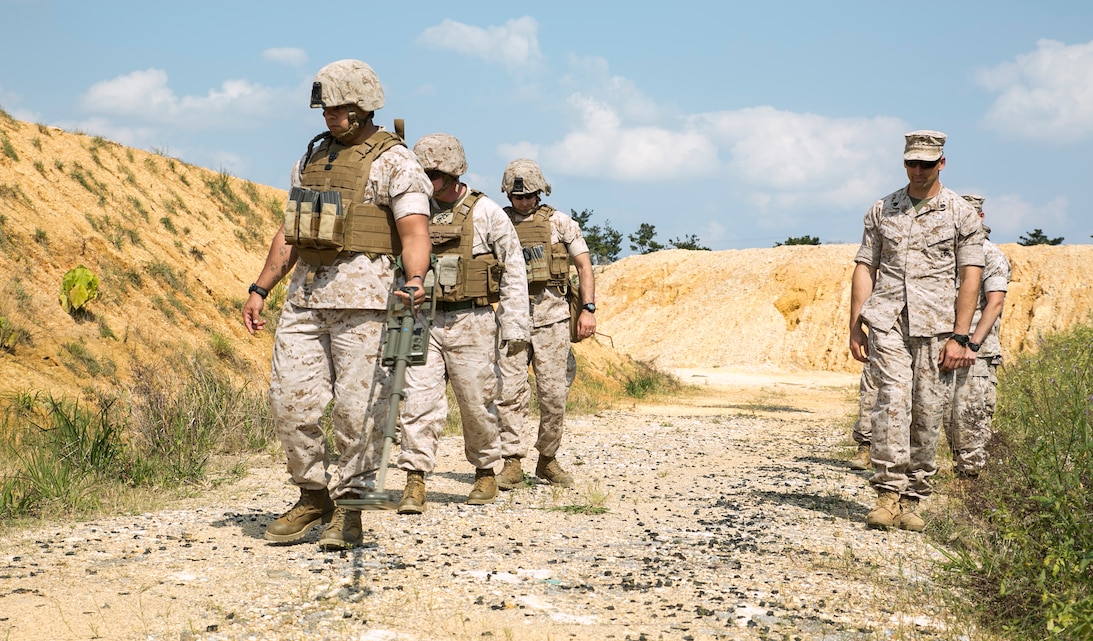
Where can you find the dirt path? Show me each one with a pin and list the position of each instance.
(730, 515)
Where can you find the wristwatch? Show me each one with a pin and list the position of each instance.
(589, 307)
(973, 346)
(255, 289)
(961, 339)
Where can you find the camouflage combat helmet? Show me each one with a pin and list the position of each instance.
(347, 82)
(442, 152)
(522, 176)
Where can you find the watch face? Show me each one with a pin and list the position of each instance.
(590, 307)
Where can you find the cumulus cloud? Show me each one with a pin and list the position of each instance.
(783, 160)
(513, 45)
(592, 77)
(1043, 95)
(145, 96)
(604, 146)
(1010, 216)
(290, 56)
(518, 150)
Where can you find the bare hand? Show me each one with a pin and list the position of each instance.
(586, 324)
(252, 314)
(955, 356)
(403, 293)
(859, 345)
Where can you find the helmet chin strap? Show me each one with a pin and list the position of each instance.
(354, 125)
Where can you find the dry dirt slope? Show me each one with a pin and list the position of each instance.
(787, 308)
(175, 246)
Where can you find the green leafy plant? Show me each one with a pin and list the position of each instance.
(78, 287)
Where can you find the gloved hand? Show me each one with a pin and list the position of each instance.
(514, 347)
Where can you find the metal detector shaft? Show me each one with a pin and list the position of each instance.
(398, 352)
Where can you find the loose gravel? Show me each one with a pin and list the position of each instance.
(724, 520)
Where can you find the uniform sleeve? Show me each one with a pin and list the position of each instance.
(869, 251)
(970, 235)
(513, 310)
(996, 273)
(569, 232)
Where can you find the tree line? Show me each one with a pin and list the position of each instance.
(605, 242)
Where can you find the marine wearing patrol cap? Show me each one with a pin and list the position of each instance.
(976, 200)
(924, 145)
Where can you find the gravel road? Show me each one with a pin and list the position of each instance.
(730, 515)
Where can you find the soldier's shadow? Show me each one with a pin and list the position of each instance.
(253, 524)
(833, 506)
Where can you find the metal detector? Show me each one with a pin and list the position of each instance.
(407, 344)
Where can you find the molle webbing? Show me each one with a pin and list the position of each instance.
(461, 275)
(544, 269)
(322, 232)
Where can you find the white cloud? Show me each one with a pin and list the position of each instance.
(518, 150)
(1011, 216)
(1043, 95)
(591, 76)
(784, 160)
(513, 45)
(146, 96)
(604, 146)
(127, 134)
(290, 56)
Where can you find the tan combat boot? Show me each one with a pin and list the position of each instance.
(413, 495)
(292, 526)
(485, 488)
(550, 471)
(908, 515)
(511, 476)
(860, 460)
(343, 532)
(886, 514)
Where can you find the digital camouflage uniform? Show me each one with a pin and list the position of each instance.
(462, 350)
(968, 428)
(867, 398)
(328, 345)
(550, 356)
(910, 315)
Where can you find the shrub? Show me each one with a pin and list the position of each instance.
(1028, 551)
(78, 287)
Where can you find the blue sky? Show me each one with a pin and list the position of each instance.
(741, 123)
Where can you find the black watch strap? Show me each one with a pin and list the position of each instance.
(961, 339)
(255, 289)
(974, 346)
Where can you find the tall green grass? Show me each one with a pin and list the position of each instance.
(1024, 534)
(64, 455)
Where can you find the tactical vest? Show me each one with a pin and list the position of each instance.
(461, 275)
(544, 269)
(326, 218)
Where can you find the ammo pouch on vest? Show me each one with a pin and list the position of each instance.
(548, 264)
(323, 223)
(460, 275)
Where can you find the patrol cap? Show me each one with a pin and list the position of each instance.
(347, 82)
(924, 145)
(976, 200)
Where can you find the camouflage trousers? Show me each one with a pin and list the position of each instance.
(968, 427)
(321, 355)
(867, 399)
(462, 351)
(912, 398)
(551, 358)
